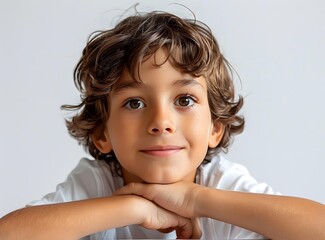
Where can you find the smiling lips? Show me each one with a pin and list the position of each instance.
(162, 151)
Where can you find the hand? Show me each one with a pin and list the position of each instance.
(177, 197)
(157, 218)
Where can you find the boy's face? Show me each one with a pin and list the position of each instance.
(160, 128)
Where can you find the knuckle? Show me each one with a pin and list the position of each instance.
(131, 185)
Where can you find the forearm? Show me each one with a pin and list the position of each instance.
(277, 217)
(70, 220)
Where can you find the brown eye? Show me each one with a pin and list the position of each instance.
(185, 101)
(135, 104)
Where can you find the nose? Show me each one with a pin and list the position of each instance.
(161, 121)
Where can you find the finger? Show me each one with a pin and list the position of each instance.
(131, 188)
(197, 232)
(166, 230)
(128, 189)
(164, 221)
(140, 189)
(184, 230)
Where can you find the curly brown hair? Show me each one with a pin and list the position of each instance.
(191, 48)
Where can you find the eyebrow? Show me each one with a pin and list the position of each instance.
(187, 82)
(119, 87)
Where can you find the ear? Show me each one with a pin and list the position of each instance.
(216, 134)
(101, 140)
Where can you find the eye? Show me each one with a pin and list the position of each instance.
(185, 101)
(134, 104)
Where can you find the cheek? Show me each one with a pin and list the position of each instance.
(201, 123)
(118, 131)
(198, 129)
(124, 132)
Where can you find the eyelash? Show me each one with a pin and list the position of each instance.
(192, 99)
(187, 96)
(128, 102)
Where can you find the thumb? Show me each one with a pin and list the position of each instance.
(140, 189)
(130, 188)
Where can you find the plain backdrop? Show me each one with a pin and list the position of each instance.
(276, 46)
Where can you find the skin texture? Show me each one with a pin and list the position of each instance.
(160, 130)
(276, 217)
(74, 220)
(154, 120)
(163, 147)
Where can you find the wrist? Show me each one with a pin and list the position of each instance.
(136, 208)
(200, 195)
(206, 200)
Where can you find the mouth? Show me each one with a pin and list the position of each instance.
(162, 151)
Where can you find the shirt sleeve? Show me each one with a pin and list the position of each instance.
(225, 175)
(84, 182)
(236, 177)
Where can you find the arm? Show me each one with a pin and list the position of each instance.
(74, 220)
(276, 217)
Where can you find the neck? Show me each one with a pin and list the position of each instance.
(129, 177)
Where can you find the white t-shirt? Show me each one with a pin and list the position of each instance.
(94, 178)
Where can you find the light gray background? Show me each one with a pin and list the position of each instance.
(277, 47)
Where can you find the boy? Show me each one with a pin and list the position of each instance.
(158, 104)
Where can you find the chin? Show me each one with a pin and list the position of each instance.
(163, 180)
(166, 177)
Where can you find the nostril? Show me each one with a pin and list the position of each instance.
(155, 130)
(158, 130)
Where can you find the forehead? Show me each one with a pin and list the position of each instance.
(158, 67)
(127, 82)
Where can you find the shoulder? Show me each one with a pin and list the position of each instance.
(87, 168)
(89, 179)
(95, 177)
(93, 173)
(223, 174)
